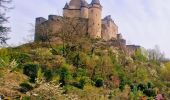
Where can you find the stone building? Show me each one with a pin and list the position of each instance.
(79, 17)
(80, 11)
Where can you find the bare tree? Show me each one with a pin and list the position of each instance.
(156, 54)
(3, 19)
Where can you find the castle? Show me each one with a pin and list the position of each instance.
(89, 15)
(96, 26)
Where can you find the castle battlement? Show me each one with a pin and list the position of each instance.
(79, 17)
(95, 25)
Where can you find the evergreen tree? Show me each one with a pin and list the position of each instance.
(3, 20)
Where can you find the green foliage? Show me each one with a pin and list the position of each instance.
(58, 50)
(165, 72)
(42, 53)
(4, 57)
(26, 98)
(83, 81)
(25, 87)
(21, 58)
(48, 75)
(139, 55)
(40, 76)
(142, 87)
(31, 70)
(136, 95)
(150, 92)
(64, 74)
(99, 82)
(80, 72)
(142, 74)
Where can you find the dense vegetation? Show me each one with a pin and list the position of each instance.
(80, 70)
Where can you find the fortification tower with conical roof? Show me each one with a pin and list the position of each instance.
(76, 8)
(84, 9)
(94, 22)
(73, 9)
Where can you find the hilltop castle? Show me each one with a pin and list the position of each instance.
(91, 14)
(83, 18)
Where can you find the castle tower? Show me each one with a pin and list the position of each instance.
(73, 9)
(94, 23)
(84, 9)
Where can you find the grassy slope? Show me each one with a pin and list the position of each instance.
(115, 68)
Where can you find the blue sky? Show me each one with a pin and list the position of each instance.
(142, 22)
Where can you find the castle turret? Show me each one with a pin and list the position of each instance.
(73, 9)
(94, 24)
(84, 9)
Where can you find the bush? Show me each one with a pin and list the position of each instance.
(4, 57)
(82, 82)
(48, 75)
(25, 87)
(139, 55)
(64, 74)
(99, 82)
(26, 98)
(150, 92)
(21, 58)
(142, 87)
(31, 70)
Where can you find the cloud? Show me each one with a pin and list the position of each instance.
(143, 22)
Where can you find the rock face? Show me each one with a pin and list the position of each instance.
(96, 27)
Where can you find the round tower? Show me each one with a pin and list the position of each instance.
(84, 9)
(94, 23)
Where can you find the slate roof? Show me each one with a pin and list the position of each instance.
(95, 2)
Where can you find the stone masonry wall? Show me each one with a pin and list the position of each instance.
(56, 25)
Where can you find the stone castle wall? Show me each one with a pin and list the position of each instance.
(72, 13)
(57, 25)
(97, 28)
(109, 30)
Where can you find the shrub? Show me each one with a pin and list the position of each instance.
(80, 72)
(150, 85)
(4, 57)
(21, 58)
(142, 87)
(150, 92)
(25, 87)
(64, 74)
(99, 82)
(48, 75)
(82, 82)
(26, 98)
(31, 70)
(139, 55)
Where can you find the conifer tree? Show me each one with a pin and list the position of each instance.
(4, 29)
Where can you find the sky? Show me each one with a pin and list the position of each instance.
(141, 22)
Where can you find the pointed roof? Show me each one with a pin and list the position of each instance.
(108, 18)
(84, 3)
(75, 4)
(95, 2)
(66, 6)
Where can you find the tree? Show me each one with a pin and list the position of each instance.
(156, 55)
(3, 20)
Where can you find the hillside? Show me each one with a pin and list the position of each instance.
(80, 69)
